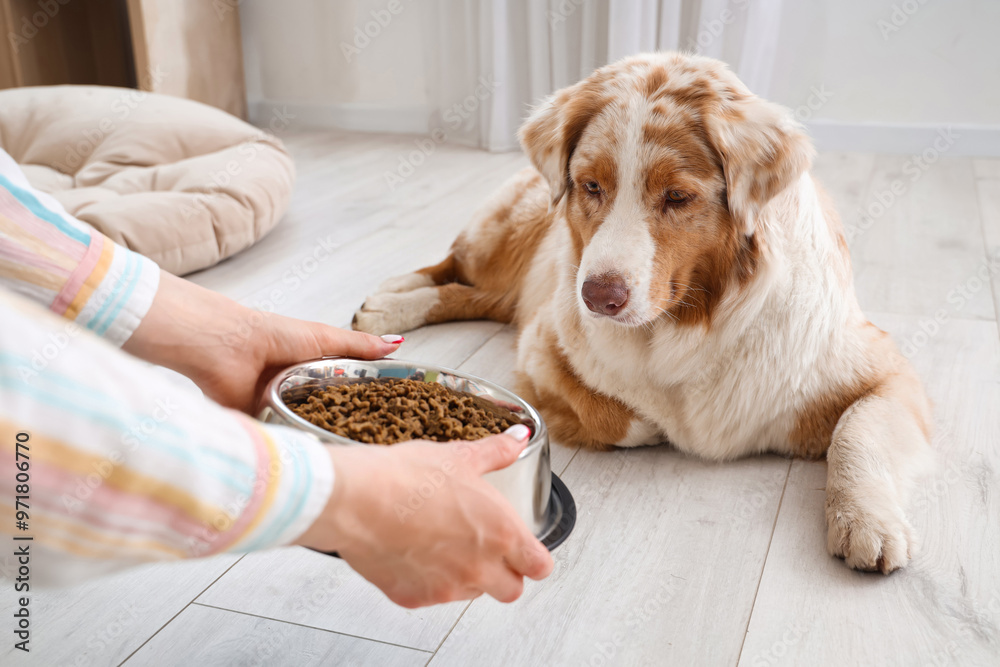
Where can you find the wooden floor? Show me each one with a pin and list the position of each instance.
(673, 561)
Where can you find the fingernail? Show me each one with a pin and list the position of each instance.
(519, 432)
(392, 339)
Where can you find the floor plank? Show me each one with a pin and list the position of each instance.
(208, 636)
(338, 202)
(989, 207)
(846, 177)
(661, 568)
(301, 586)
(448, 345)
(331, 289)
(987, 167)
(924, 244)
(103, 621)
(988, 190)
(945, 607)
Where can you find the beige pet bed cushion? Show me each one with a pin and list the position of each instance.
(178, 181)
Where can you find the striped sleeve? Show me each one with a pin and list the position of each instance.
(66, 265)
(128, 463)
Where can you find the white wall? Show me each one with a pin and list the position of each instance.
(891, 86)
(294, 58)
(895, 73)
(942, 64)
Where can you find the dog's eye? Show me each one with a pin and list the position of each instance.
(592, 187)
(676, 197)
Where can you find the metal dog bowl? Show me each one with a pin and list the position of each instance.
(539, 497)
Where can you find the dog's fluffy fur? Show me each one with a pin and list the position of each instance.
(741, 333)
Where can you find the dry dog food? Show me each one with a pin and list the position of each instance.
(389, 411)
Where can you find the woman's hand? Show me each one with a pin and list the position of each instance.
(418, 521)
(231, 351)
(455, 542)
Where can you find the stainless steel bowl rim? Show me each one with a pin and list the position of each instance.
(272, 399)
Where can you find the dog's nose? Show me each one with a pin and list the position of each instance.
(606, 294)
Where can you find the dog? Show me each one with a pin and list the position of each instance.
(677, 276)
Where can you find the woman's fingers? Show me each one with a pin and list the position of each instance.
(499, 451)
(339, 342)
(503, 584)
(463, 538)
(527, 556)
(530, 558)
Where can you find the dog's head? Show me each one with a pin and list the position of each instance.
(665, 162)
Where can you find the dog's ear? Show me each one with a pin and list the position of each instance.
(763, 151)
(550, 134)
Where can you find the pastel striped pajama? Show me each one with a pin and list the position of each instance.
(128, 463)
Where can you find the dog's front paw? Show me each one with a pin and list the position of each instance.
(405, 283)
(395, 312)
(869, 534)
(370, 321)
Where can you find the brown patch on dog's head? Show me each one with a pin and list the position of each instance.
(551, 133)
(666, 162)
(763, 150)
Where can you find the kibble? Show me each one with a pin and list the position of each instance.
(389, 411)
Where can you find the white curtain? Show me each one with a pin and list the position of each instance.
(488, 61)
